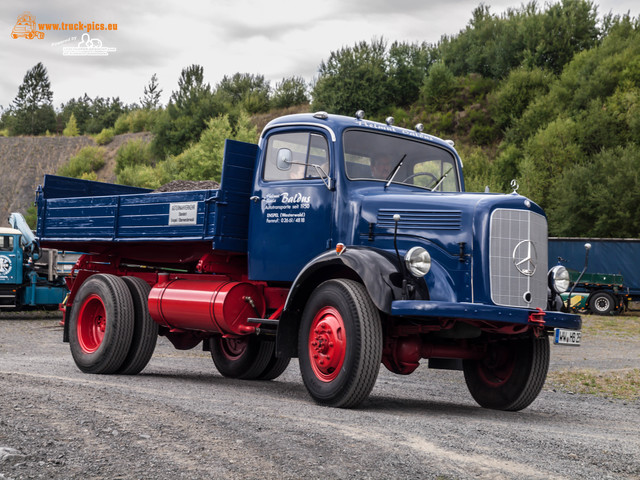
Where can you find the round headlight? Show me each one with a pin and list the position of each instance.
(559, 279)
(418, 261)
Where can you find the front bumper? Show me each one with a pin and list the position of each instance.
(417, 309)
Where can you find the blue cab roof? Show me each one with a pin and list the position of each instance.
(336, 124)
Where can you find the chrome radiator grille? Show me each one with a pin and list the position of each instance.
(518, 258)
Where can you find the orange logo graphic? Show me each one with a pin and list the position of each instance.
(26, 27)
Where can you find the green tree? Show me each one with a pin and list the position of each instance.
(185, 117)
(289, 92)
(32, 110)
(439, 88)
(407, 68)
(152, 92)
(354, 78)
(251, 92)
(203, 160)
(71, 129)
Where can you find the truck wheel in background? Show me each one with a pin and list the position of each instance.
(101, 324)
(511, 374)
(243, 357)
(340, 344)
(601, 303)
(275, 367)
(145, 330)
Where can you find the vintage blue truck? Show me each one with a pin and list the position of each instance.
(30, 277)
(345, 242)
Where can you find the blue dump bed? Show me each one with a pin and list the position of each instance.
(92, 216)
(607, 256)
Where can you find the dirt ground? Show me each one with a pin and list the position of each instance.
(181, 419)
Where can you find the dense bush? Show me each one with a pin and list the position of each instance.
(85, 164)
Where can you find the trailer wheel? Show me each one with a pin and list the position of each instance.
(101, 324)
(601, 303)
(145, 330)
(511, 374)
(340, 344)
(244, 357)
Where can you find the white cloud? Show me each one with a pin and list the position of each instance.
(276, 39)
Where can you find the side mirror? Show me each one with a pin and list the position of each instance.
(284, 159)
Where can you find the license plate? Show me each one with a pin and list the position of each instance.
(567, 337)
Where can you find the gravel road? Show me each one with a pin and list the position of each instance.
(180, 419)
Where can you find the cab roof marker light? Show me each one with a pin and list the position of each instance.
(419, 127)
(360, 114)
(321, 115)
(389, 121)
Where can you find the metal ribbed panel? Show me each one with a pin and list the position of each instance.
(518, 262)
(421, 219)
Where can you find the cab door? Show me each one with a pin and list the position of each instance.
(290, 218)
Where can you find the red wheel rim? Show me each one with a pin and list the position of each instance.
(234, 348)
(496, 369)
(327, 344)
(92, 321)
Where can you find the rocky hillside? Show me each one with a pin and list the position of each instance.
(25, 160)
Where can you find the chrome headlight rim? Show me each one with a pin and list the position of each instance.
(559, 279)
(418, 261)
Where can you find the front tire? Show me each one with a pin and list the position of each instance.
(511, 374)
(340, 344)
(101, 324)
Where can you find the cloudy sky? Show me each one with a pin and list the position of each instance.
(275, 38)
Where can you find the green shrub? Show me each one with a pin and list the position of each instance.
(88, 160)
(140, 176)
(132, 153)
(122, 124)
(71, 129)
(4, 133)
(105, 136)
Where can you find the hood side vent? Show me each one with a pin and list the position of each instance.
(421, 219)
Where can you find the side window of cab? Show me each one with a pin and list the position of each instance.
(296, 156)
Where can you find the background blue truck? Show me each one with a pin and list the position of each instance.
(344, 242)
(30, 277)
(612, 280)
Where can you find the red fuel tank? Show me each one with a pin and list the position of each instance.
(219, 306)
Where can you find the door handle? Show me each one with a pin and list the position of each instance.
(254, 198)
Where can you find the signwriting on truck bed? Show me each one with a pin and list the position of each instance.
(346, 243)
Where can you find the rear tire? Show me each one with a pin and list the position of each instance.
(145, 330)
(340, 344)
(245, 357)
(511, 374)
(101, 324)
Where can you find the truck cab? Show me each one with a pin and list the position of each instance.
(10, 266)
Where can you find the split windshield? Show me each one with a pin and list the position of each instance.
(374, 156)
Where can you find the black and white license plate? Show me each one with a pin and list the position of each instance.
(567, 337)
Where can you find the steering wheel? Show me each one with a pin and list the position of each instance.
(421, 174)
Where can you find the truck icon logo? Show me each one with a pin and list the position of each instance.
(26, 27)
(525, 257)
(5, 265)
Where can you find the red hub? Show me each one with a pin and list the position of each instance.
(233, 348)
(497, 367)
(92, 321)
(327, 344)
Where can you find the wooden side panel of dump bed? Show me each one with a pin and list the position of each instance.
(92, 216)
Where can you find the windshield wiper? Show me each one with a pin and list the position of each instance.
(394, 171)
(441, 179)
